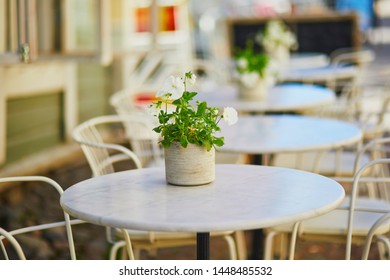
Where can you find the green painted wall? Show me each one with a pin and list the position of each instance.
(94, 90)
(36, 123)
(33, 124)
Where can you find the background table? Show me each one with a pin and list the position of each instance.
(327, 75)
(241, 197)
(271, 134)
(287, 133)
(308, 60)
(281, 98)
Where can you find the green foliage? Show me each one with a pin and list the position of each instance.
(188, 122)
(248, 60)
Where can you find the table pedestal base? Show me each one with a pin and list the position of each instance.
(203, 245)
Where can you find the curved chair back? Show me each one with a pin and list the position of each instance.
(12, 240)
(10, 234)
(101, 155)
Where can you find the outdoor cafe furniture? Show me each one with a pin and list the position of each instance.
(242, 197)
(281, 98)
(264, 136)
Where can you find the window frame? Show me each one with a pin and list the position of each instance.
(22, 20)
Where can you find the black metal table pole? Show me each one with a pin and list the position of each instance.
(203, 245)
(257, 234)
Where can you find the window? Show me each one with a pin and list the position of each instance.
(33, 30)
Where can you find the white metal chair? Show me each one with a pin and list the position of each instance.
(349, 89)
(102, 161)
(11, 234)
(358, 219)
(340, 162)
(14, 243)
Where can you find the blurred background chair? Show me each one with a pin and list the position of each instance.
(12, 234)
(103, 141)
(370, 112)
(366, 203)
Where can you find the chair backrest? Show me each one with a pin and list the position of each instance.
(349, 56)
(139, 124)
(101, 155)
(124, 102)
(143, 140)
(10, 234)
(12, 240)
(381, 181)
(378, 149)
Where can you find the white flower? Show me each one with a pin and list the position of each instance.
(192, 79)
(230, 115)
(172, 89)
(249, 79)
(242, 63)
(278, 34)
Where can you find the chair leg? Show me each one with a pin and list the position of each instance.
(268, 243)
(232, 246)
(293, 240)
(239, 237)
(115, 248)
(383, 247)
(283, 246)
(128, 244)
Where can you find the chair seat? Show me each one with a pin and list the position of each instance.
(230, 158)
(335, 222)
(327, 162)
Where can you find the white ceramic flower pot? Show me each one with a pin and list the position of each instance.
(189, 166)
(255, 93)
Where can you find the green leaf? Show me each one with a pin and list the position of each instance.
(219, 141)
(176, 102)
(189, 95)
(184, 142)
(207, 145)
(201, 108)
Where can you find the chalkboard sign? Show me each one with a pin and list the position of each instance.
(315, 33)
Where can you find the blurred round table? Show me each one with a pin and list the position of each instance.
(281, 98)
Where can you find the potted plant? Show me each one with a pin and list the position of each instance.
(188, 132)
(256, 72)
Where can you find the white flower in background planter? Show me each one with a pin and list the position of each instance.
(256, 72)
(249, 80)
(275, 35)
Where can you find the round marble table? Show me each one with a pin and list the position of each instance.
(307, 60)
(241, 197)
(282, 98)
(272, 134)
(327, 75)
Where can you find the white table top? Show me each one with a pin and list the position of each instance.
(308, 60)
(321, 74)
(282, 98)
(241, 197)
(286, 133)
